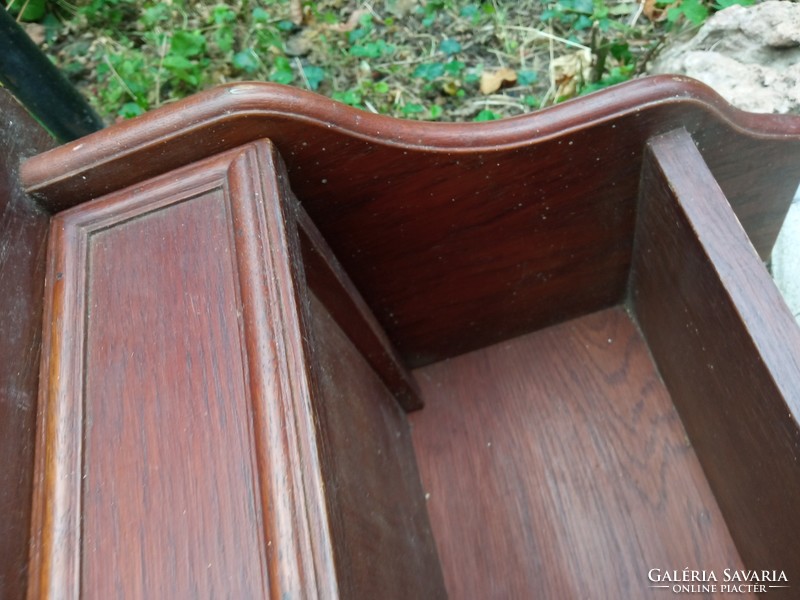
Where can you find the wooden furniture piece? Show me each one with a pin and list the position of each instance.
(533, 358)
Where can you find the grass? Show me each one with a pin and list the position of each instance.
(437, 60)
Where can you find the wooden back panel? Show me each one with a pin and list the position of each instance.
(459, 235)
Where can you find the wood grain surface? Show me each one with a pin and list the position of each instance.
(728, 348)
(178, 455)
(328, 280)
(458, 236)
(381, 534)
(556, 466)
(23, 238)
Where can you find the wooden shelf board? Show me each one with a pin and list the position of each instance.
(557, 466)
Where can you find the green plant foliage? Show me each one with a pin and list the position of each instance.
(429, 71)
(450, 46)
(314, 76)
(486, 115)
(27, 10)
(694, 10)
(418, 60)
(282, 71)
(246, 61)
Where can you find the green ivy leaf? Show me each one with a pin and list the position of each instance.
(526, 77)
(223, 14)
(429, 71)
(246, 60)
(450, 46)
(282, 71)
(412, 109)
(486, 115)
(32, 10)
(723, 4)
(693, 10)
(224, 38)
(351, 97)
(187, 43)
(130, 110)
(454, 67)
(314, 75)
(260, 15)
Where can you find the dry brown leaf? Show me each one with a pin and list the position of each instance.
(36, 32)
(652, 12)
(491, 81)
(296, 11)
(570, 70)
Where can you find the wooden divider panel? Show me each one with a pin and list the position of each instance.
(177, 454)
(727, 347)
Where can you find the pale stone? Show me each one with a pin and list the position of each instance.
(751, 57)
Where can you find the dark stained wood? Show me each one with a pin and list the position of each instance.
(23, 235)
(178, 453)
(728, 348)
(556, 467)
(381, 535)
(189, 367)
(331, 284)
(459, 236)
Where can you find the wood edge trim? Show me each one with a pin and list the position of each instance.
(331, 284)
(274, 305)
(225, 105)
(55, 555)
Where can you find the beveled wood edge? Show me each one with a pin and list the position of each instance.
(200, 115)
(297, 538)
(332, 286)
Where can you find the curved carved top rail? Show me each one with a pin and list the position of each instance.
(523, 221)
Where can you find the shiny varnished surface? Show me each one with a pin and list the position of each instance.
(165, 407)
(555, 466)
(459, 235)
(728, 348)
(23, 237)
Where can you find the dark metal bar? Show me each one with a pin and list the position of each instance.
(28, 74)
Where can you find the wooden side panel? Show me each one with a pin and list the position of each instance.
(382, 536)
(23, 242)
(728, 349)
(557, 467)
(178, 456)
(330, 283)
